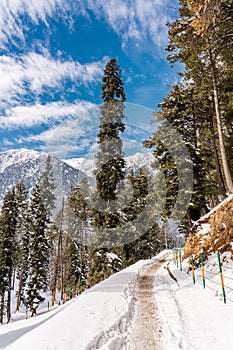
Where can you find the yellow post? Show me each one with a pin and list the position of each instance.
(202, 270)
(221, 277)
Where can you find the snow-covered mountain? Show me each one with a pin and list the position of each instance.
(26, 165)
(136, 161)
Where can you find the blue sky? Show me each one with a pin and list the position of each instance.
(52, 57)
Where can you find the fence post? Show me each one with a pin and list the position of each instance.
(180, 259)
(202, 270)
(175, 256)
(221, 277)
(193, 273)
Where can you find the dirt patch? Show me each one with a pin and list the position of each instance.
(213, 232)
(146, 329)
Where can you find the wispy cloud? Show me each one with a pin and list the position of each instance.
(33, 72)
(134, 19)
(130, 19)
(11, 11)
(65, 124)
(31, 116)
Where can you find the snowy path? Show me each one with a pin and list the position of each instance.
(145, 332)
(141, 307)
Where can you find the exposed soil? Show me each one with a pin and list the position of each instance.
(217, 235)
(146, 330)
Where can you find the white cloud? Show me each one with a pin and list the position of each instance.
(6, 142)
(11, 25)
(130, 19)
(67, 122)
(134, 19)
(31, 116)
(38, 71)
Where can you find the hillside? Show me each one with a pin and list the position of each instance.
(213, 232)
(136, 161)
(26, 165)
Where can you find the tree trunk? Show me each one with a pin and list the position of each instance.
(220, 180)
(164, 233)
(2, 306)
(20, 287)
(8, 306)
(61, 252)
(226, 169)
(55, 272)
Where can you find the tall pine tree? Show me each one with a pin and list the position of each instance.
(110, 169)
(8, 249)
(39, 257)
(110, 162)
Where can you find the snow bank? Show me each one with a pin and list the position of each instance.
(193, 317)
(96, 319)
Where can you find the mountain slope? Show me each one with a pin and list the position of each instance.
(26, 165)
(213, 232)
(136, 161)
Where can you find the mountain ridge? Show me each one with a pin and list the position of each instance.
(26, 165)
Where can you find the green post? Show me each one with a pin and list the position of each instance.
(48, 305)
(202, 270)
(69, 294)
(221, 277)
(193, 273)
(8, 316)
(180, 260)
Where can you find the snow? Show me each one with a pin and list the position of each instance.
(21, 156)
(222, 204)
(136, 161)
(194, 317)
(204, 228)
(190, 316)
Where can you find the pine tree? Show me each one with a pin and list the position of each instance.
(110, 170)
(8, 248)
(21, 195)
(39, 257)
(79, 202)
(110, 162)
(200, 40)
(47, 187)
(73, 271)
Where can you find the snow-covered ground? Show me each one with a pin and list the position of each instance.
(190, 316)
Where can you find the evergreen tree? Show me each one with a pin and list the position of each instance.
(8, 249)
(21, 195)
(103, 264)
(199, 39)
(182, 111)
(74, 273)
(79, 202)
(110, 162)
(39, 257)
(47, 187)
(110, 170)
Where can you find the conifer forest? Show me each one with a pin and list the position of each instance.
(95, 232)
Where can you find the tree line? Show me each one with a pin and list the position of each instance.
(87, 240)
(199, 106)
(96, 232)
